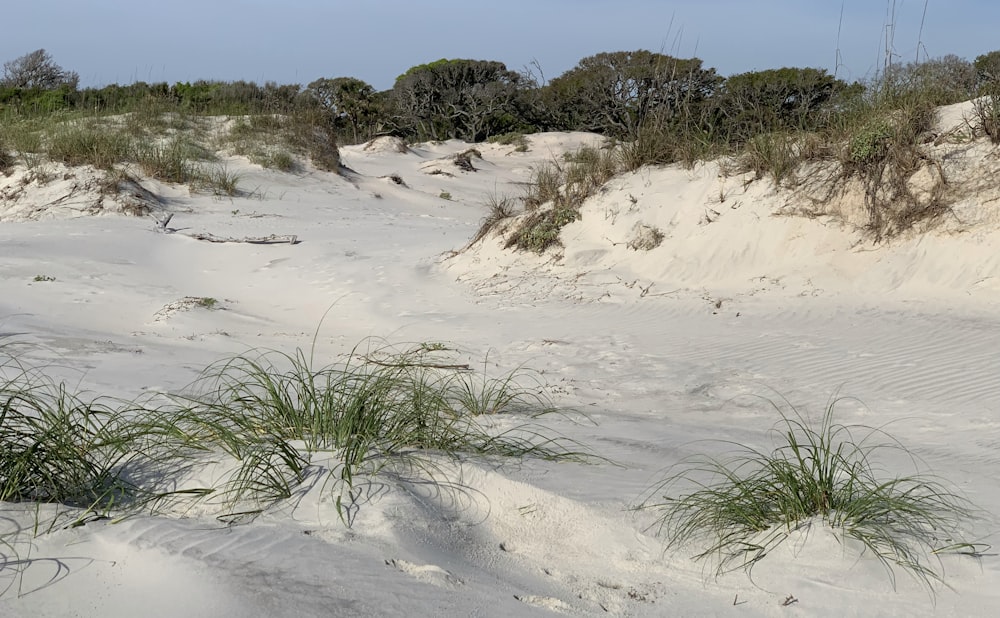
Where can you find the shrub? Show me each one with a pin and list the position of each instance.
(745, 506)
(566, 188)
(870, 144)
(314, 133)
(280, 160)
(540, 230)
(514, 138)
(883, 140)
(987, 68)
(37, 71)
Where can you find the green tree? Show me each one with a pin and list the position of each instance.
(943, 81)
(351, 102)
(987, 67)
(464, 99)
(616, 92)
(777, 99)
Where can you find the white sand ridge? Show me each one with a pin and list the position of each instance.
(658, 359)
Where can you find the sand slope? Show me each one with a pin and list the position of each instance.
(637, 340)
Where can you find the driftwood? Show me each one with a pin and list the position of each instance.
(273, 239)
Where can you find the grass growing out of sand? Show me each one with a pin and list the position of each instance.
(743, 507)
(268, 415)
(381, 407)
(55, 446)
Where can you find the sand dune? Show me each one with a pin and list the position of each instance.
(654, 350)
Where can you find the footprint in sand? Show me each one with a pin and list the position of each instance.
(544, 602)
(427, 573)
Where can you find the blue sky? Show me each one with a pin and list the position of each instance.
(296, 41)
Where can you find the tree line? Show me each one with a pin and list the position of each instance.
(624, 95)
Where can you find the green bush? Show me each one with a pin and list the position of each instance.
(871, 143)
(540, 230)
(514, 138)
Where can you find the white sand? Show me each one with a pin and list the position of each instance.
(638, 340)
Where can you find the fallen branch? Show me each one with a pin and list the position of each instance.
(273, 239)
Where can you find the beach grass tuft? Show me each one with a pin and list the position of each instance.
(267, 416)
(741, 508)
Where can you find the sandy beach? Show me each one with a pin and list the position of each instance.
(653, 355)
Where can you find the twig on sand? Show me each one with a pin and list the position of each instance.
(273, 239)
(457, 367)
(291, 239)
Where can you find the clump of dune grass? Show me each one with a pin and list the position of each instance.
(986, 113)
(381, 408)
(500, 208)
(563, 187)
(7, 159)
(53, 447)
(88, 143)
(772, 154)
(513, 138)
(58, 446)
(270, 417)
(280, 160)
(741, 508)
(219, 180)
(306, 132)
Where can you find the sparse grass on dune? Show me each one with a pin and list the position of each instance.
(7, 159)
(271, 140)
(986, 113)
(168, 143)
(740, 509)
(61, 447)
(268, 415)
(563, 187)
(383, 407)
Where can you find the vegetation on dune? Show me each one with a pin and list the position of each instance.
(267, 416)
(655, 108)
(276, 421)
(738, 510)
